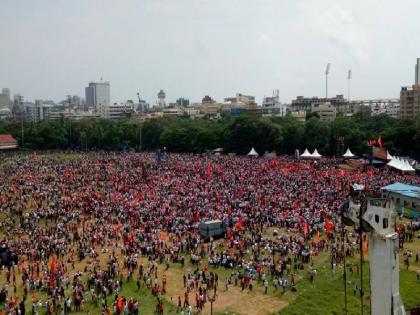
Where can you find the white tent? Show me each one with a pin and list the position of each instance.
(401, 165)
(316, 155)
(389, 156)
(306, 154)
(408, 167)
(348, 154)
(252, 152)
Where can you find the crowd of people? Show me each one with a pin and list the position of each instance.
(56, 212)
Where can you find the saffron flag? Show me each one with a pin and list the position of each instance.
(305, 229)
(328, 225)
(120, 303)
(240, 223)
(52, 267)
(364, 248)
(163, 236)
(208, 173)
(52, 271)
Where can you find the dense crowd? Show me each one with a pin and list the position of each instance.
(58, 211)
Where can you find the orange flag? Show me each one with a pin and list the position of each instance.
(305, 229)
(208, 173)
(163, 236)
(52, 267)
(328, 225)
(364, 248)
(120, 303)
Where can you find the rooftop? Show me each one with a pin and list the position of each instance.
(7, 139)
(412, 191)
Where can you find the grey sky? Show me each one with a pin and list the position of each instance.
(50, 48)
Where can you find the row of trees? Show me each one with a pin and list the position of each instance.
(280, 134)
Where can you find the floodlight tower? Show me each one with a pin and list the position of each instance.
(327, 71)
(348, 85)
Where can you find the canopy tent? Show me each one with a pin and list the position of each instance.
(306, 154)
(252, 152)
(401, 165)
(389, 157)
(316, 155)
(408, 167)
(348, 154)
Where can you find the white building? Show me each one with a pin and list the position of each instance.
(5, 113)
(72, 114)
(37, 112)
(241, 98)
(271, 106)
(98, 96)
(120, 111)
(389, 106)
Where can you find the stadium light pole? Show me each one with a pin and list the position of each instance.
(327, 71)
(348, 85)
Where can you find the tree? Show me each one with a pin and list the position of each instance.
(317, 136)
(246, 132)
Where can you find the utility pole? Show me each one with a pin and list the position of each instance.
(343, 235)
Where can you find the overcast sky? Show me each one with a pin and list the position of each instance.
(192, 48)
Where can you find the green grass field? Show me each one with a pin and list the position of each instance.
(324, 296)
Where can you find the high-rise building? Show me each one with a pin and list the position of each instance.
(409, 102)
(17, 98)
(38, 111)
(74, 101)
(98, 96)
(410, 97)
(5, 98)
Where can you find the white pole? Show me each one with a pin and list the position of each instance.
(348, 85)
(326, 85)
(327, 71)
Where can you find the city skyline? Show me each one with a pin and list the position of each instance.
(217, 48)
